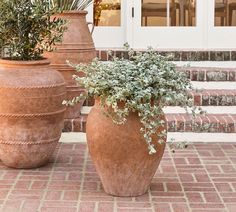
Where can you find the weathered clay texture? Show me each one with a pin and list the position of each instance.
(120, 154)
(31, 112)
(77, 47)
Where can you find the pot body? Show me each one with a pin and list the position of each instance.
(120, 154)
(77, 47)
(31, 112)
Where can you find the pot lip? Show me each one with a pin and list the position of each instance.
(7, 61)
(73, 12)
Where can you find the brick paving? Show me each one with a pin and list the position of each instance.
(200, 178)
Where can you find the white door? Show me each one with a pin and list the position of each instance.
(169, 23)
(221, 24)
(109, 18)
(180, 24)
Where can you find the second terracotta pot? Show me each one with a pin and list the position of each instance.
(120, 154)
(77, 47)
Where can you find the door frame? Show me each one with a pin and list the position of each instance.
(111, 36)
(202, 36)
(162, 37)
(219, 37)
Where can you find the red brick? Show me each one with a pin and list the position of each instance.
(228, 168)
(202, 177)
(3, 194)
(194, 197)
(169, 199)
(30, 206)
(65, 185)
(157, 187)
(180, 208)
(223, 187)
(167, 194)
(231, 207)
(134, 210)
(162, 207)
(39, 185)
(105, 207)
(212, 197)
(87, 207)
(173, 187)
(71, 195)
(53, 195)
(194, 161)
(12, 206)
(22, 184)
(61, 203)
(58, 209)
(206, 205)
(186, 177)
(213, 168)
(133, 205)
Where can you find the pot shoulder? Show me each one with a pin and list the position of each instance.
(28, 73)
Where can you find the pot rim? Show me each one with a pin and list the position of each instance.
(73, 12)
(7, 61)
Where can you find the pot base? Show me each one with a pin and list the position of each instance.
(26, 156)
(120, 154)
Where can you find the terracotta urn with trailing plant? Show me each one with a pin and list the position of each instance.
(31, 92)
(126, 129)
(76, 47)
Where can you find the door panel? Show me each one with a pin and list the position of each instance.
(109, 20)
(169, 24)
(221, 25)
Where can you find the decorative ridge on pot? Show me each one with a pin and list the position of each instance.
(73, 12)
(9, 62)
(31, 92)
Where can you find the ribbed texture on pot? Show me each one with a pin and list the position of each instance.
(31, 112)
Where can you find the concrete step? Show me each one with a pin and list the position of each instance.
(80, 137)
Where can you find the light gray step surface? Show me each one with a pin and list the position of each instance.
(176, 136)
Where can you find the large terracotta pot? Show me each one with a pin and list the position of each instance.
(77, 47)
(31, 112)
(120, 154)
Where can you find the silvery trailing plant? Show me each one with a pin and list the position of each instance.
(27, 29)
(144, 83)
(66, 5)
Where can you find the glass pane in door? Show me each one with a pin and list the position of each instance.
(168, 12)
(225, 12)
(107, 12)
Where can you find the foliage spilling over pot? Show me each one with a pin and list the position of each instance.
(67, 5)
(144, 83)
(26, 29)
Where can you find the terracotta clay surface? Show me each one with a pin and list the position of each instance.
(77, 47)
(31, 112)
(120, 154)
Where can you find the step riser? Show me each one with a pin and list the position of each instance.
(177, 55)
(209, 74)
(209, 123)
(214, 98)
(210, 98)
(176, 123)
